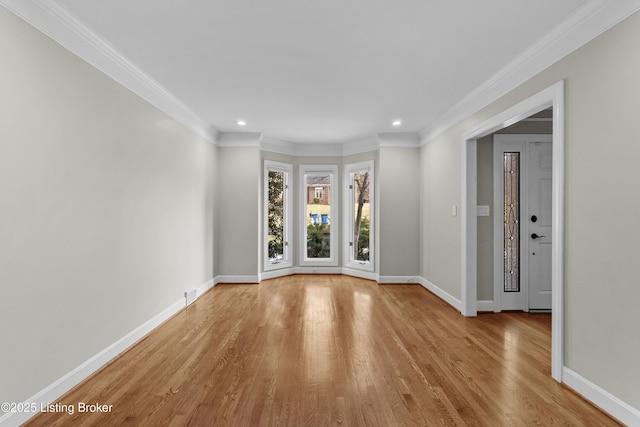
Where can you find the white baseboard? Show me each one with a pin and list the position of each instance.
(237, 279)
(272, 274)
(317, 270)
(615, 407)
(442, 294)
(54, 391)
(485, 305)
(398, 280)
(369, 275)
(204, 288)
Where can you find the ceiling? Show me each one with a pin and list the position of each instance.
(322, 71)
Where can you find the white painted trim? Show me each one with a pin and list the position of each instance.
(236, 279)
(53, 20)
(61, 386)
(319, 149)
(349, 206)
(592, 19)
(399, 139)
(369, 275)
(204, 288)
(286, 168)
(239, 139)
(360, 146)
(319, 170)
(557, 250)
(277, 146)
(272, 274)
(440, 293)
(553, 96)
(609, 403)
(398, 280)
(484, 305)
(317, 270)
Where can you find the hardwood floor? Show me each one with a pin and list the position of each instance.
(326, 350)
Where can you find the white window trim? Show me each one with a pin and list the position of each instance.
(349, 206)
(332, 261)
(287, 262)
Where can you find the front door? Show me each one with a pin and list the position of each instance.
(540, 187)
(522, 226)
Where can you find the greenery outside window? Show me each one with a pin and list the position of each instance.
(277, 214)
(359, 216)
(318, 221)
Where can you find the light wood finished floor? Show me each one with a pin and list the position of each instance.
(327, 350)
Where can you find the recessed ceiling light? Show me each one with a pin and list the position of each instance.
(241, 122)
(396, 122)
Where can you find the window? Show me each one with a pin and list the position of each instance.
(318, 243)
(511, 221)
(277, 227)
(358, 237)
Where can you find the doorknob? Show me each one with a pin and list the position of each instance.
(535, 236)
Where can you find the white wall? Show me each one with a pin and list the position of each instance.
(106, 211)
(602, 240)
(399, 207)
(239, 211)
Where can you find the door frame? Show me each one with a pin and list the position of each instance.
(553, 97)
(521, 143)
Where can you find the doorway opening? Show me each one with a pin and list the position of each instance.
(552, 97)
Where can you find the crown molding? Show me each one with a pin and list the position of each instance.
(399, 139)
(373, 143)
(300, 149)
(67, 30)
(361, 146)
(318, 149)
(238, 139)
(589, 21)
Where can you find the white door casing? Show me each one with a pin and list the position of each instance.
(552, 96)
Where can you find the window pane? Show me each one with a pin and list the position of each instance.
(362, 216)
(511, 222)
(318, 210)
(276, 217)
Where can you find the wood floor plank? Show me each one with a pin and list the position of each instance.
(332, 350)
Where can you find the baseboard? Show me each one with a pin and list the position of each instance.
(485, 305)
(615, 407)
(317, 270)
(442, 294)
(369, 275)
(273, 274)
(236, 279)
(399, 280)
(54, 391)
(204, 288)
